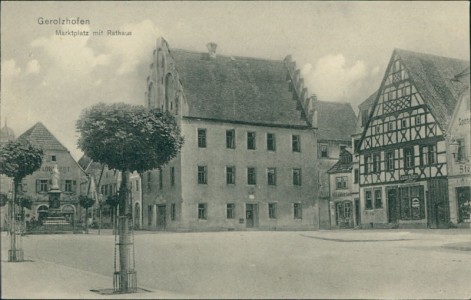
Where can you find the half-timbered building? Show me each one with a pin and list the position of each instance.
(402, 153)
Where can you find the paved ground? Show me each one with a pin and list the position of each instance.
(311, 264)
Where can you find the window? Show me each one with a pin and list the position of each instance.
(417, 120)
(69, 186)
(230, 139)
(376, 162)
(378, 129)
(356, 175)
(202, 175)
(296, 176)
(356, 144)
(230, 210)
(461, 153)
(298, 211)
(324, 150)
(251, 176)
(202, 211)
(53, 158)
(409, 157)
(412, 204)
(272, 210)
(391, 126)
(368, 200)
(296, 143)
(271, 176)
(341, 182)
(251, 140)
(202, 137)
(173, 211)
(172, 176)
(368, 164)
(343, 147)
(428, 155)
(404, 123)
(390, 160)
(271, 142)
(42, 185)
(161, 179)
(230, 175)
(364, 117)
(378, 202)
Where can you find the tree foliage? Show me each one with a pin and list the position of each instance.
(86, 202)
(19, 159)
(24, 201)
(128, 137)
(3, 199)
(112, 200)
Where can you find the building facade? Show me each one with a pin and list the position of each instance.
(458, 158)
(336, 124)
(249, 136)
(73, 180)
(344, 207)
(403, 149)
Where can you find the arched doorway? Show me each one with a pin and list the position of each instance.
(137, 215)
(42, 212)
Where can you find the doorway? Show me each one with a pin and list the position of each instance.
(357, 212)
(463, 195)
(161, 217)
(392, 205)
(251, 215)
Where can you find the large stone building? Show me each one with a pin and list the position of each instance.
(249, 158)
(72, 183)
(403, 148)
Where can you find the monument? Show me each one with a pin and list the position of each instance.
(54, 192)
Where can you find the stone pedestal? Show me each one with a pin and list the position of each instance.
(54, 202)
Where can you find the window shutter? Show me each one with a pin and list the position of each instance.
(38, 185)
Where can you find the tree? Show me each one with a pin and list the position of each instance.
(18, 159)
(128, 138)
(86, 202)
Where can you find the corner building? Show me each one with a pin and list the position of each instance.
(403, 149)
(248, 161)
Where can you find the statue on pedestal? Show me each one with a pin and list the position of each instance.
(54, 192)
(55, 178)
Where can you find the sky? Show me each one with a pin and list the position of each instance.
(341, 48)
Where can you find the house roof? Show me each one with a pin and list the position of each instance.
(41, 136)
(336, 121)
(237, 89)
(341, 166)
(433, 76)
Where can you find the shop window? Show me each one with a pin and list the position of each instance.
(412, 203)
(464, 204)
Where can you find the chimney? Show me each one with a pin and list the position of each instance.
(212, 49)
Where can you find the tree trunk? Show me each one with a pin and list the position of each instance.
(13, 223)
(124, 238)
(86, 219)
